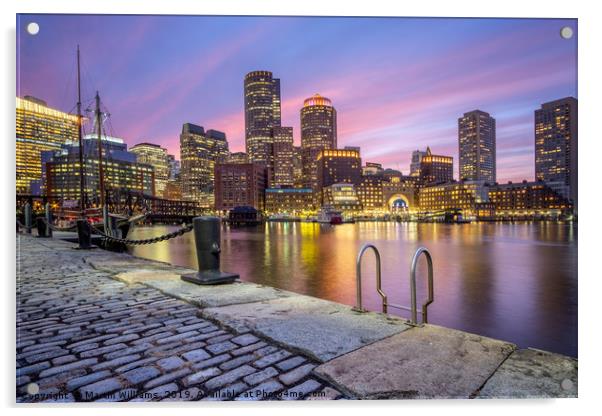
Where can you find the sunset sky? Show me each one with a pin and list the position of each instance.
(398, 84)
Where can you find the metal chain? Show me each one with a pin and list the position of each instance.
(55, 228)
(173, 234)
(20, 224)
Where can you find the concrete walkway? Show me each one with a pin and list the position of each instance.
(108, 322)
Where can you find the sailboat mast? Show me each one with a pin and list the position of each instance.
(100, 167)
(80, 139)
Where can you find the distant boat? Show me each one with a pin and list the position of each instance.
(328, 215)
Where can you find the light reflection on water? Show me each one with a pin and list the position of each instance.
(512, 281)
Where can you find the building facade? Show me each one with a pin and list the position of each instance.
(370, 193)
(556, 146)
(289, 201)
(372, 169)
(464, 196)
(436, 169)
(200, 151)
(318, 132)
(337, 166)
(282, 175)
(39, 128)
(477, 147)
(342, 197)
(155, 156)
(415, 163)
(240, 184)
(121, 171)
(237, 157)
(174, 167)
(262, 114)
(527, 199)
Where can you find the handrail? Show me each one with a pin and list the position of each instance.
(385, 304)
(358, 276)
(431, 292)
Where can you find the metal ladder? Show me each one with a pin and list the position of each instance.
(385, 304)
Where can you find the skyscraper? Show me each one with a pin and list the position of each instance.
(200, 151)
(262, 114)
(556, 146)
(415, 165)
(336, 166)
(39, 128)
(436, 169)
(283, 158)
(476, 143)
(318, 132)
(155, 156)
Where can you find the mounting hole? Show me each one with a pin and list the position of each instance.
(32, 388)
(33, 28)
(566, 32)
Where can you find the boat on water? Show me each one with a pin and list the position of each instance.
(328, 215)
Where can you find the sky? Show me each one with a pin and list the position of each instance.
(398, 84)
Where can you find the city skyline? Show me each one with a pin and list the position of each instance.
(385, 116)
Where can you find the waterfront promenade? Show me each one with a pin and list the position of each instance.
(97, 325)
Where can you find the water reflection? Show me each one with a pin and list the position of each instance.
(516, 282)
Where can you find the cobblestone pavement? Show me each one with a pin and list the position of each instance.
(82, 336)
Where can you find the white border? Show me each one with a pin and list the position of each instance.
(590, 68)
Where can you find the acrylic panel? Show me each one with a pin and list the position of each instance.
(299, 208)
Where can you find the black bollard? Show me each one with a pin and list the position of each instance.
(207, 233)
(42, 228)
(84, 235)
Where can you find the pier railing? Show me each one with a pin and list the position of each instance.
(413, 309)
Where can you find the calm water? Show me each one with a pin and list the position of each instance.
(516, 282)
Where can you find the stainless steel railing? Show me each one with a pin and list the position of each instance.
(413, 309)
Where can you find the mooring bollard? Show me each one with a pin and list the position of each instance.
(48, 216)
(27, 214)
(41, 226)
(84, 234)
(207, 237)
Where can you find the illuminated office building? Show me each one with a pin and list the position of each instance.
(556, 146)
(240, 184)
(477, 147)
(121, 170)
(237, 157)
(155, 156)
(337, 166)
(297, 167)
(290, 201)
(262, 114)
(436, 168)
(526, 199)
(39, 128)
(465, 196)
(370, 193)
(282, 172)
(342, 197)
(318, 132)
(372, 169)
(200, 151)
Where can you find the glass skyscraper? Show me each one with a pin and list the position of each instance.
(476, 143)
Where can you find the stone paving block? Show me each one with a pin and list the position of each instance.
(426, 362)
(319, 328)
(533, 374)
(297, 374)
(229, 377)
(264, 391)
(221, 347)
(74, 383)
(300, 391)
(290, 363)
(141, 374)
(260, 376)
(166, 378)
(170, 363)
(201, 376)
(97, 390)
